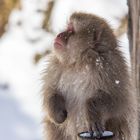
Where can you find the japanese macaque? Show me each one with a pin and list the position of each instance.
(87, 85)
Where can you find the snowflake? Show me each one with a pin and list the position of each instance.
(117, 82)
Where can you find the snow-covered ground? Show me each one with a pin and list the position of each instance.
(20, 97)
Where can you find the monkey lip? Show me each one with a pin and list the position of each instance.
(58, 43)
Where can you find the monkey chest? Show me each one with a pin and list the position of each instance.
(73, 86)
(76, 88)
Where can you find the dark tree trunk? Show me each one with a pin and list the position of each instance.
(134, 40)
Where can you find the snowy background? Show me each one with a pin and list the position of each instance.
(20, 77)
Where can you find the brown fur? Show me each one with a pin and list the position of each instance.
(88, 83)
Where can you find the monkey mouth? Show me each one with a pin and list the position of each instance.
(58, 43)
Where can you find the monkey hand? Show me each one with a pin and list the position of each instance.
(57, 110)
(98, 128)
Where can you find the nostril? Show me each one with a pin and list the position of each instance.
(61, 35)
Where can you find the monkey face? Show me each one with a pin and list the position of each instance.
(85, 37)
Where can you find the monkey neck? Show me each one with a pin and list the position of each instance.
(76, 66)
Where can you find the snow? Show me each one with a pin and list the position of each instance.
(20, 79)
(97, 60)
(99, 63)
(86, 135)
(117, 82)
(15, 123)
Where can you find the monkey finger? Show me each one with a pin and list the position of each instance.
(98, 128)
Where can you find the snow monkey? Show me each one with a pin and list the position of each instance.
(87, 85)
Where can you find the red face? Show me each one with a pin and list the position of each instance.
(62, 38)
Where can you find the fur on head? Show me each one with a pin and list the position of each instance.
(86, 37)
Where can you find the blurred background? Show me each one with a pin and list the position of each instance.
(27, 30)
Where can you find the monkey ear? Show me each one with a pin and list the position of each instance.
(100, 48)
(97, 35)
(98, 45)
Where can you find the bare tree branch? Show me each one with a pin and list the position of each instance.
(39, 56)
(48, 13)
(122, 27)
(6, 6)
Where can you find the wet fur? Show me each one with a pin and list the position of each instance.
(77, 94)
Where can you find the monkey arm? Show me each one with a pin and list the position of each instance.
(102, 107)
(55, 105)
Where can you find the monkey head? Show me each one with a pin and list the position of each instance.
(85, 38)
